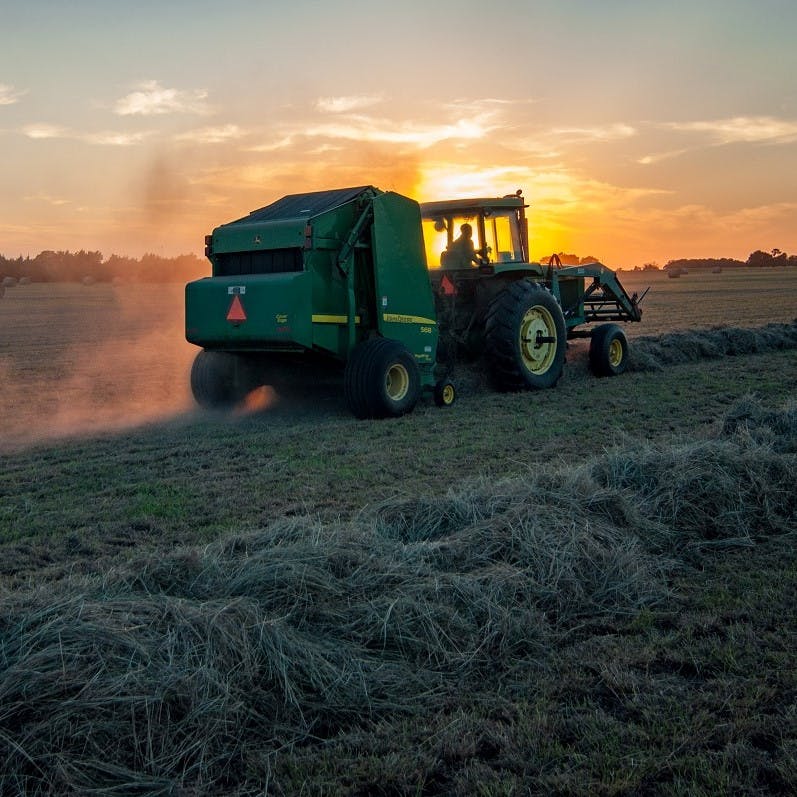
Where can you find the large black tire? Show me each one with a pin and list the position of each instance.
(219, 379)
(608, 350)
(525, 338)
(381, 379)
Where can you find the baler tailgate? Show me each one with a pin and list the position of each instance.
(253, 312)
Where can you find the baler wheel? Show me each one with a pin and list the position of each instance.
(218, 379)
(608, 350)
(444, 393)
(525, 338)
(381, 379)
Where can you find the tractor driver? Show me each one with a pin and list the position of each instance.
(461, 252)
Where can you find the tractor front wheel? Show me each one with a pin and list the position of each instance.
(381, 379)
(608, 350)
(525, 338)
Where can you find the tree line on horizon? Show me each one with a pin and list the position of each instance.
(89, 266)
(757, 259)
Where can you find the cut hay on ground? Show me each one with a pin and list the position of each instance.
(178, 672)
(676, 348)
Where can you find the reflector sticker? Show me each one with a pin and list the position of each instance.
(320, 318)
(236, 314)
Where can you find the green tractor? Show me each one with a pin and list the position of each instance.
(341, 277)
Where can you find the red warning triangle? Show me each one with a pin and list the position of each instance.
(236, 312)
(447, 288)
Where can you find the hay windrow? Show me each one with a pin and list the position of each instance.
(651, 353)
(171, 672)
(658, 352)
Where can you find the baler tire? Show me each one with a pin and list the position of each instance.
(516, 318)
(381, 379)
(608, 350)
(218, 379)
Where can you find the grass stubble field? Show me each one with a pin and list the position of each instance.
(584, 591)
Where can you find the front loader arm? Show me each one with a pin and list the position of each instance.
(604, 298)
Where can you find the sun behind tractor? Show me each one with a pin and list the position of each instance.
(341, 277)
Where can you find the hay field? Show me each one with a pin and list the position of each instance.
(584, 591)
(700, 300)
(78, 359)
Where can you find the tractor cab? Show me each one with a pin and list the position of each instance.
(461, 234)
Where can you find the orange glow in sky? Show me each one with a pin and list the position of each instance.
(637, 132)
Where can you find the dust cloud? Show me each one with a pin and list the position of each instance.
(83, 360)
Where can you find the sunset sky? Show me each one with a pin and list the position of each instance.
(638, 131)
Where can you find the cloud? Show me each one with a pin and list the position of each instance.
(657, 157)
(612, 132)
(550, 187)
(445, 180)
(9, 95)
(211, 135)
(273, 146)
(115, 139)
(347, 104)
(482, 104)
(749, 129)
(387, 131)
(42, 131)
(150, 98)
(551, 143)
(752, 218)
(48, 199)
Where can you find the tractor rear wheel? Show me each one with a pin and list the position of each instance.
(381, 379)
(219, 379)
(525, 338)
(608, 350)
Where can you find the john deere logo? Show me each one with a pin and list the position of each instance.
(281, 318)
(257, 239)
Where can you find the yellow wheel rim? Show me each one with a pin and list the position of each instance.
(537, 323)
(397, 382)
(615, 352)
(448, 394)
